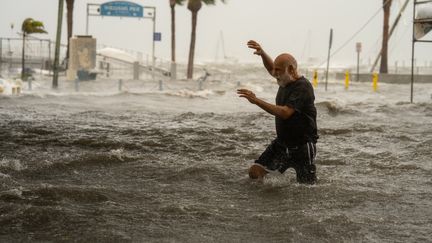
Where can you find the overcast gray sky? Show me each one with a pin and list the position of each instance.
(300, 27)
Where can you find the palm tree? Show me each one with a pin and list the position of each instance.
(194, 6)
(384, 48)
(173, 56)
(70, 9)
(29, 26)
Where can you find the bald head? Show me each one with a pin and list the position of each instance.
(285, 63)
(286, 60)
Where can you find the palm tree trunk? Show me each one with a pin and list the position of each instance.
(70, 9)
(384, 48)
(192, 45)
(23, 59)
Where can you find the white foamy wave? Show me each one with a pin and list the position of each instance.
(16, 192)
(12, 164)
(4, 175)
(192, 94)
(118, 153)
(275, 179)
(251, 86)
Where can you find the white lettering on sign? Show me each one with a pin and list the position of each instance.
(121, 9)
(116, 8)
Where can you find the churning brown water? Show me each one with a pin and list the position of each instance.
(171, 166)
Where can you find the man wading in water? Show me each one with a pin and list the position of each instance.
(295, 113)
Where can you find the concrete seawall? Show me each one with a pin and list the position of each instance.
(388, 78)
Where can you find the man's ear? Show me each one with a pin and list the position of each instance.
(292, 71)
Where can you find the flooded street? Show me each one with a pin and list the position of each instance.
(145, 165)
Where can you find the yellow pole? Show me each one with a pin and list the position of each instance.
(375, 82)
(315, 79)
(347, 79)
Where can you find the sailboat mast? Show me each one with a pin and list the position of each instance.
(223, 45)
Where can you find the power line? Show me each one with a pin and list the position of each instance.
(357, 32)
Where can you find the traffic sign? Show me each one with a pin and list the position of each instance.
(157, 36)
(121, 9)
(358, 46)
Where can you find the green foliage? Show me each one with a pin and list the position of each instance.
(195, 5)
(211, 2)
(176, 2)
(31, 26)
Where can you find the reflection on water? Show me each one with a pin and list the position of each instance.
(171, 166)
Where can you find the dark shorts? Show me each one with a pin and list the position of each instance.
(278, 157)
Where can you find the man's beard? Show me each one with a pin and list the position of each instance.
(283, 82)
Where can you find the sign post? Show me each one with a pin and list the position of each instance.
(358, 49)
(153, 45)
(124, 9)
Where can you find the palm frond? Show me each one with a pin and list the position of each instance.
(212, 2)
(31, 26)
(26, 24)
(180, 2)
(209, 2)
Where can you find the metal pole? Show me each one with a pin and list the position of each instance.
(120, 84)
(87, 19)
(10, 53)
(412, 53)
(153, 46)
(57, 48)
(1, 54)
(49, 57)
(328, 57)
(358, 66)
(77, 84)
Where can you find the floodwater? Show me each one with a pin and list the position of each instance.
(144, 165)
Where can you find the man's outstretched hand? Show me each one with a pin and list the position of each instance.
(249, 95)
(254, 45)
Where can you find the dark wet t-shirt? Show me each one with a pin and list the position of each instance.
(301, 127)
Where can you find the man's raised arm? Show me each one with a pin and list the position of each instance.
(267, 61)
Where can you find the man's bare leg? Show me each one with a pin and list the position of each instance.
(257, 172)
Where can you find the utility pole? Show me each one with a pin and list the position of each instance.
(57, 46)
(395, 23)
(328, 57)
